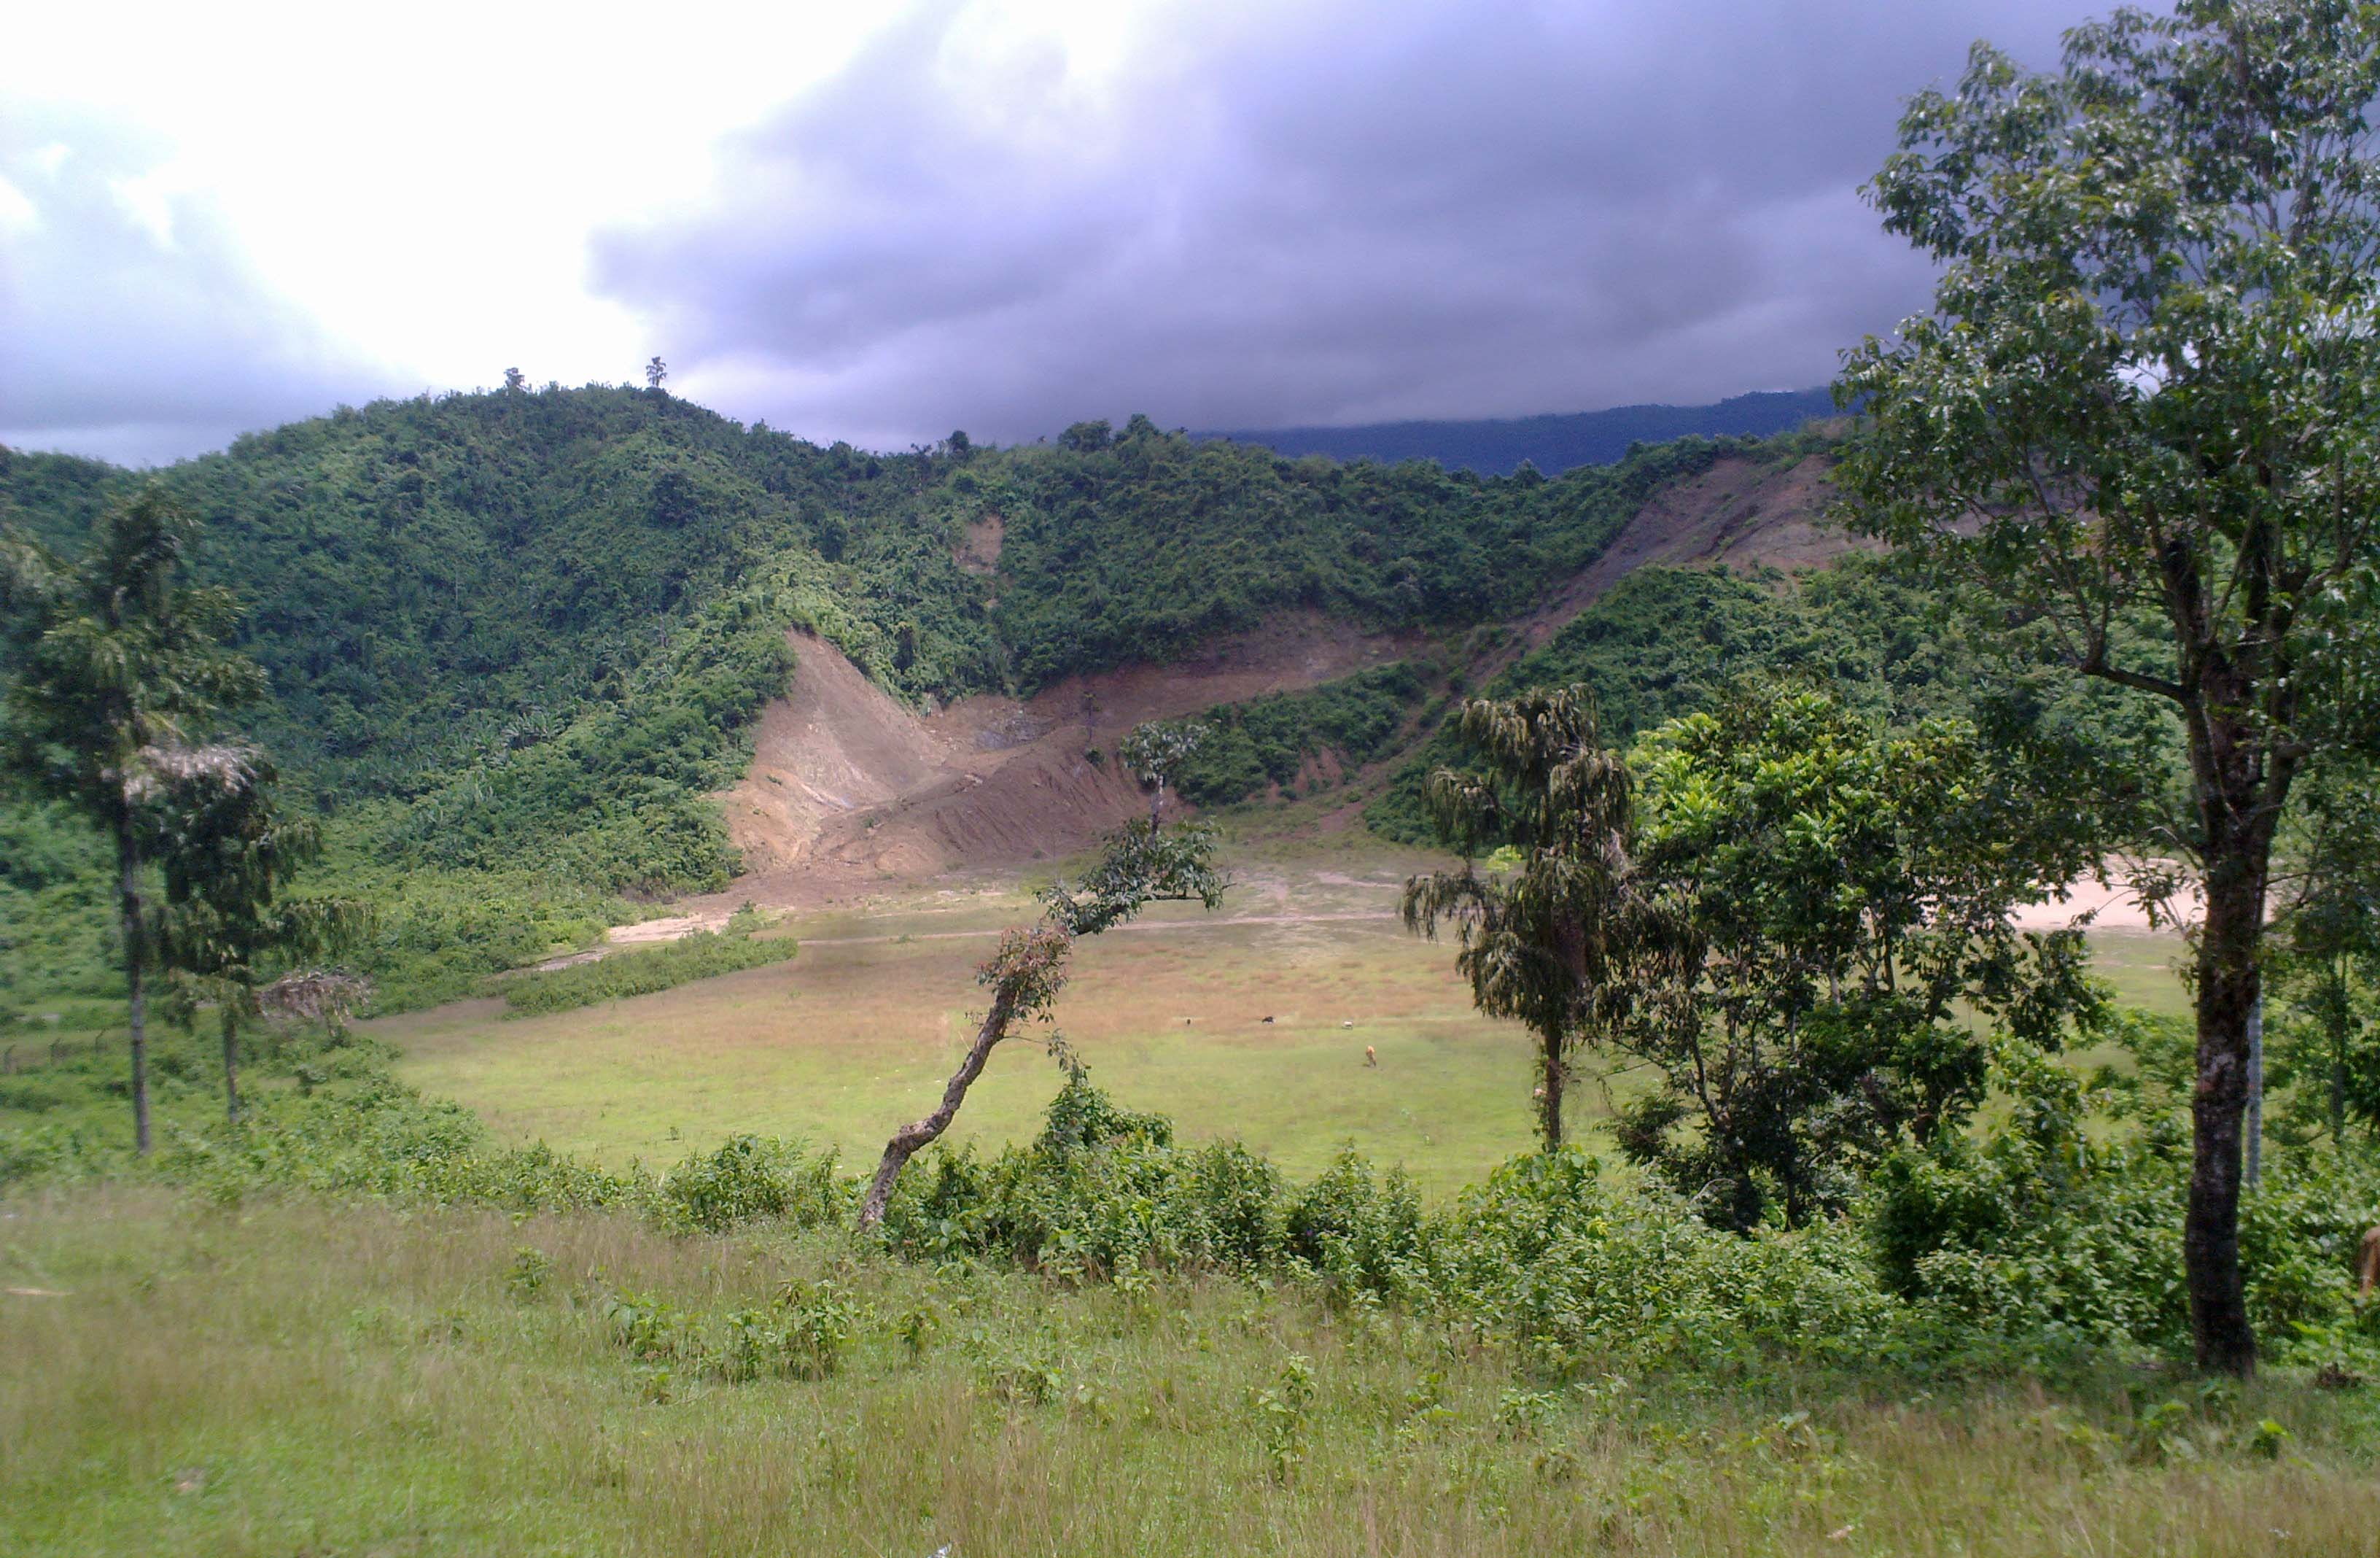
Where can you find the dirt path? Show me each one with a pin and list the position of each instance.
(1140, 927)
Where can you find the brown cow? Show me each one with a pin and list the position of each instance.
(2367, 1262)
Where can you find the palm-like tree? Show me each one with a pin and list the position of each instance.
(120, 664)
(1542, 942)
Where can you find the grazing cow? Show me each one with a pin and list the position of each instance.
(1370, 1058)
(2367, 1262)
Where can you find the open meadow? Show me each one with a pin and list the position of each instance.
(852, 1037)
(174, 1375)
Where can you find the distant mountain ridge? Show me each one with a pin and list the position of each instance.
(1553, 444)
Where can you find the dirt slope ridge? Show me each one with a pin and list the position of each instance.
(1742, 512)
(849, 789)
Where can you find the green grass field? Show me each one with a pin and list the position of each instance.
(854, 1037)
(292, 1376)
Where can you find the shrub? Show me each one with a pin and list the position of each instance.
(750, 1177)
(702, 956)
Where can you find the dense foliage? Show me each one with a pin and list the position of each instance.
(1141, 545)
(2048, 1239)
(1831, 912)
(1666, 641)
(1267, 741)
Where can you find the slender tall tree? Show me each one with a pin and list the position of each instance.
(120, 663)
(2149, 393)
(1543, 943)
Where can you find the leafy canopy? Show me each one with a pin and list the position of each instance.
(1829, 901)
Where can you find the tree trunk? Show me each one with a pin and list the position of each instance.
(136, 958)
(911, 1139)
(231, 1060)
(2337, 1024)
(2230, 981)
(1549, 1111)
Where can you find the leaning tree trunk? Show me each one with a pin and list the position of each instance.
(911, 1139)
(136, 958)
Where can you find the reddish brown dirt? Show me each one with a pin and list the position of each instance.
(850, 791)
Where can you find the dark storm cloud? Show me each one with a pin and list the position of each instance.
(134, 329)
(1346, 213)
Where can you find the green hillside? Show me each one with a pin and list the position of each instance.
(515, 641)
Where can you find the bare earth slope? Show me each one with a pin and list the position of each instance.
(850, 790)
(1739, 512)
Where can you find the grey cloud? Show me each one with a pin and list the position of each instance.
(131, 343)
(1338, 213)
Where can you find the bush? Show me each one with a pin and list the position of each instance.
(2036, 1242)
(2045, 1235)
(749, 1178)
(1574, 1264)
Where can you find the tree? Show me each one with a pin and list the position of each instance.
(1828, 903)
(120, 666)
(656, 371)
(514, 380)
(2147, 392)
(1140, 864)
(1547, 942)
(1155, 754)
(227, 857)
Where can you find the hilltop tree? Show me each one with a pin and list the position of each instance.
(656, 371)
(2149, 392)
(1546, 943)
(120, 666)
(1140, 864)
(514, 380)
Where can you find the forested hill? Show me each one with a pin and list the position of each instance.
(436, 586)
(516, 640)
(1552, 443)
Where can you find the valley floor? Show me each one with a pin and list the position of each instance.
(854, 1037)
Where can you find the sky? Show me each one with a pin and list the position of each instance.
(883, 223)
